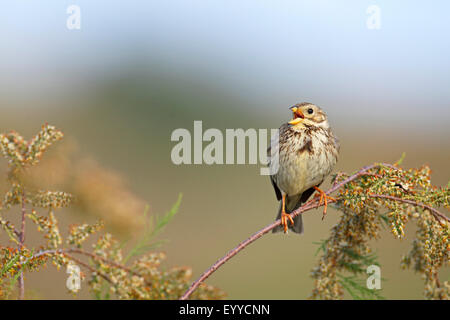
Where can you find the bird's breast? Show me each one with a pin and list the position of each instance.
(304, 161)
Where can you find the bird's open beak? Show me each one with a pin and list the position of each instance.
(298, 116)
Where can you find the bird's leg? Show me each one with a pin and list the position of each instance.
(324, 198)
(285, 216)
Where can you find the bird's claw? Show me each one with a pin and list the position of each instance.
(284, 221)
(324, 198)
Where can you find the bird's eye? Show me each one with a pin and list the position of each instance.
(310, 111)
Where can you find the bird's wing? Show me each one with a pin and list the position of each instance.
(275, 187)
(274, 184)
(305, 195)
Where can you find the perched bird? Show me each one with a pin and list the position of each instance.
(307, 152)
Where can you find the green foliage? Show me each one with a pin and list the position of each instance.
(8, 265)
(153, 227)
(355, 267)
(408, 196)
(357, 288)
(138, 276)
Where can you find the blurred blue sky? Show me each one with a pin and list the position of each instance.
(272, 53)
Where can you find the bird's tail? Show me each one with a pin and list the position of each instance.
(292, 203)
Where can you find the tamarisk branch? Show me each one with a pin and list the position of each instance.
(315, 203)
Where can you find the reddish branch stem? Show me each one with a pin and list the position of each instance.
(307, 206)
(438, 215)
(66, 253)
(81, 263)
(86, 253)
(21, 282)
(97, 257)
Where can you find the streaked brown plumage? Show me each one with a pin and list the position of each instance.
(308, 151)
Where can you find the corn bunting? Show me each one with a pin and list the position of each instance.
(308, 151)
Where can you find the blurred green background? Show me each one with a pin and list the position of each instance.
(136, 71)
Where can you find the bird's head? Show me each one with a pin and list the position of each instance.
(307, 114)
